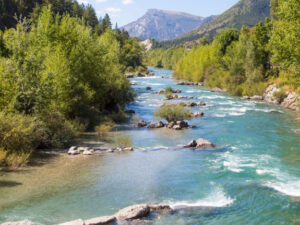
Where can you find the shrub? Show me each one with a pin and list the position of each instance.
(19, 137)
(122, 142)
(104, 128)
(119, 117)
(168, 92)
(280, 95)
(58, 131)
(171, 112)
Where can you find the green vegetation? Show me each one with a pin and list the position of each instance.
(168, 92)
(245, 61)
(173, 112)
(61, 72)
(122, 142)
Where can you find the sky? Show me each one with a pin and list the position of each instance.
(126, 11)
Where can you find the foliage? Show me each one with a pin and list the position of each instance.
(280, 95)
(171, 112)
(168, 92)
(104, 128)
(122, 142)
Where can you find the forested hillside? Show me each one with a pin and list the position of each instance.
(61, 71)
(243, 61)
(245, 12)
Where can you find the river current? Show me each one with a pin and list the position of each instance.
(253, 177)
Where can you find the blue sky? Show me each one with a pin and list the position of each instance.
(126, 11)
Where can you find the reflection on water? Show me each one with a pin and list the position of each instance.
(252, 178)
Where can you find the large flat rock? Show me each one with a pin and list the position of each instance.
(133, 212)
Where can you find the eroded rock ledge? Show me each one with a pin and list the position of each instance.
(131, 213)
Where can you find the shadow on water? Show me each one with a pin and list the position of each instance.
(4, 183)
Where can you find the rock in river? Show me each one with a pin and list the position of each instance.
(159, 124)
(74, 222)
(200, 143)
(104, 220)
(133, 212)
(142, 123)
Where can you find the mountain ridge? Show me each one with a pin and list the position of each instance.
(164, 24)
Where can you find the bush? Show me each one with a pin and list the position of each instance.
(122, 142)
(171, 112)
(280, 95)
(168, 92)
(19, 137)
(104, 128)
(58, 131)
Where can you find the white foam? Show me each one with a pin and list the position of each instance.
(291, 188)
(216, 199)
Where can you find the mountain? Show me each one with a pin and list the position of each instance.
(245, 12)
(164, 25)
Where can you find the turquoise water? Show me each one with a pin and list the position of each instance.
(253, 177)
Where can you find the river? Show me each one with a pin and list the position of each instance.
(253, 177)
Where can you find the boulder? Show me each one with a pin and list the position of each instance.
(129, 75)
(177, 91)
(159, 124)
(257, 98)
(142, 123)
(191, 104)
(74, 222)
(202, 143)
(82, 149)
(198, 114)
(23, 222)
(110, 150)
(297, 131)
(104, 220)
(148, 88)
(87, 152)
(133, 212)
(246, 98)
(170, 125)
(128, 149)
(191, 144)
(201, 104)
(200, 84)
(182, 124)
(139, 74)
(290, 102)
(269, 94)
(160, 208)
(218, 90)
(73, 151)
(177, 127)
(297, 120)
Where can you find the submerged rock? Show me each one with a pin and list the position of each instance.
(133, 212)
(104, 220)
(273, 111)
(74, 222)
(148, 88)
(23, 222)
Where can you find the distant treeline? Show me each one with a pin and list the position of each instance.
(245, 61)
(61, 70)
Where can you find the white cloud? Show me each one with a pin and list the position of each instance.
(113, 10)
(101, 1)
(127, 2)
(83, 2)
